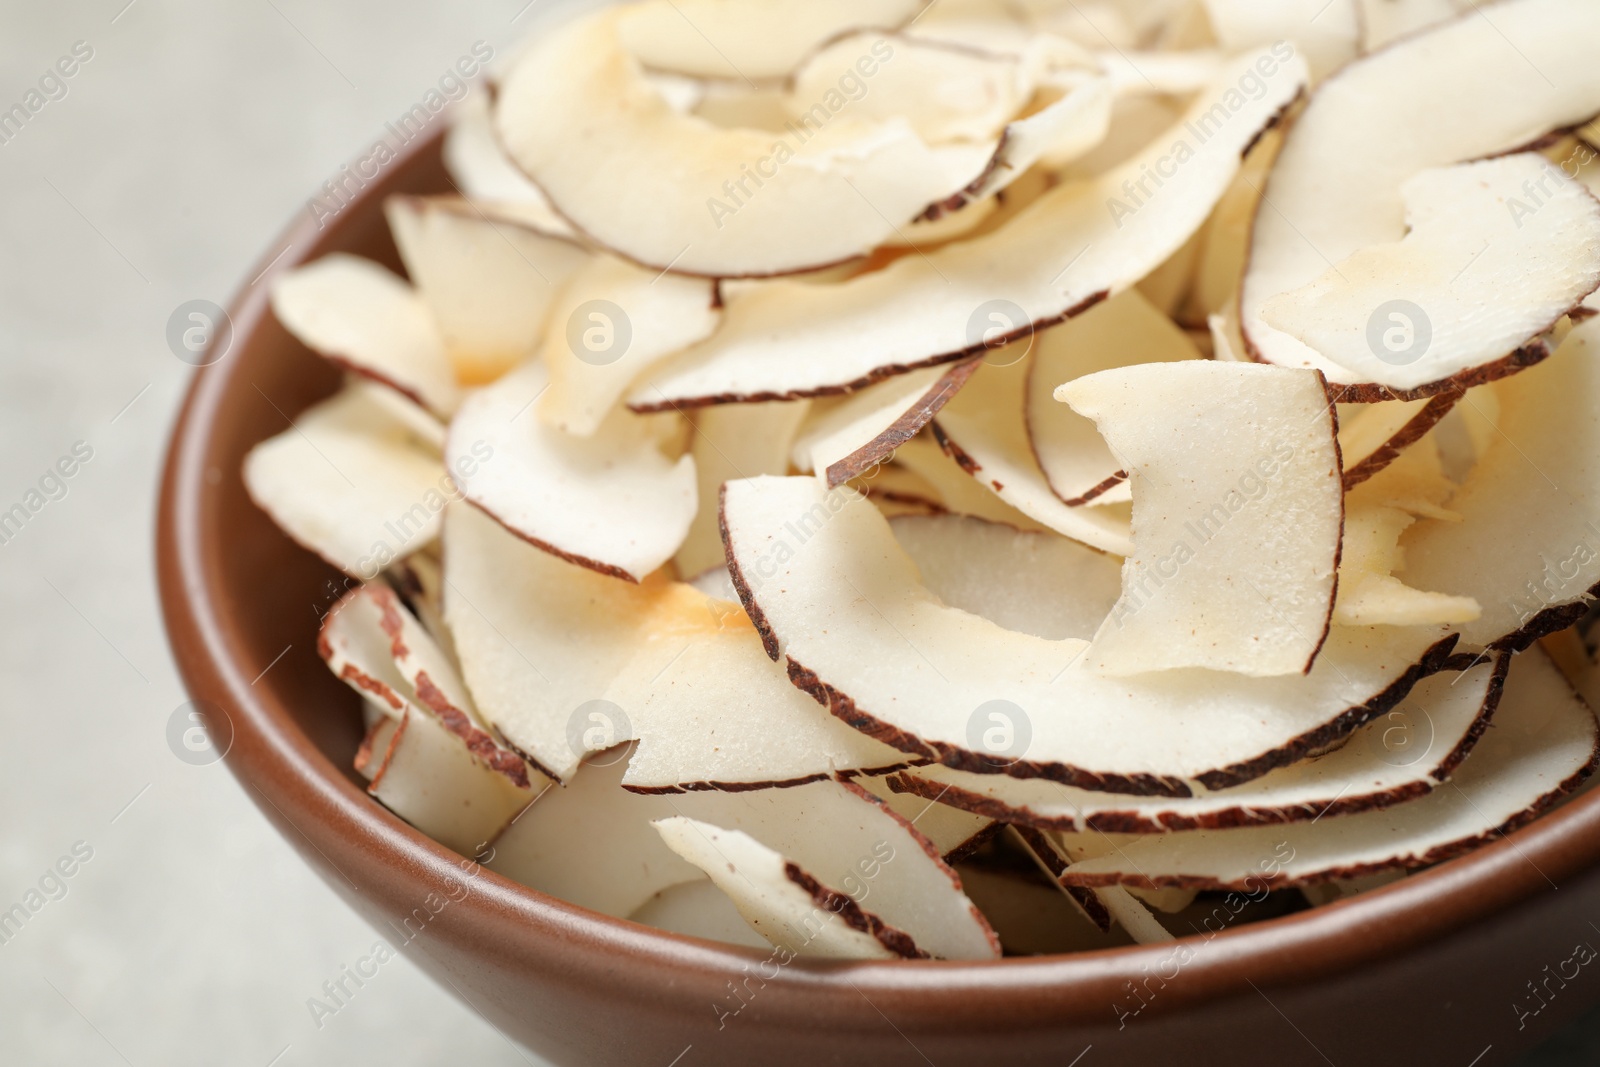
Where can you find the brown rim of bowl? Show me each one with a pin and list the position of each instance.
(384, 860)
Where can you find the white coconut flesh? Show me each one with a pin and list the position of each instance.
(1076, 244)
(1326, 32)
(1337, 186)
(359, 316)
(1202, 588)
(1073, 455)
(481, 172)
(351, 482)
(1405, 753)
(1542, 745)
(698, 909)
(848, 612)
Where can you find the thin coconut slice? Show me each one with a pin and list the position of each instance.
(612, 501)
(1414, 482)
(947, 93)
(357, 315)
(565, 662)
(1404, 754)
(984, 430)
(673, 191)
(952, 832)
(1379, 433)
(1326, 31)
(1069, 249)
(698, 909)
(612, 323)
(865, 430)
(854, 846)
(489, 284)
(1542, 747)
(1384, 21)
(375, 646)
(431, 778)
(1526, 547)
(1479, 274)
(483, 173)
(1236, 545)
(733, 441)
(1114, 901)
(1167, 285)
(1226, 238)
(1336, 186)
(351, 483)
(1028, 581)
(848, 613)
(780, 900)
(747, 39)
(956, 490)
(1073, 456)
(1369, 592)
(1051, 862)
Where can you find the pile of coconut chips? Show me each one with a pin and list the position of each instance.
(901, 480)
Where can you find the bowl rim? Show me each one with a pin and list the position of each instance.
(394, 866)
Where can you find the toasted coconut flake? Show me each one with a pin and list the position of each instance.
(1402, 755)
(611, 323)
(984, 429)
(354, 313)
(565, 662)
(1525, 547)
(864, 431)
(673, 191)
(1336, 186)
(733, 441)
(747, 39)
(489, 284)
(611, 501)
(1542, 746)
(1029, 581)
(344, 478)
(1075, 459)
(848, 613)
(1479, 274)
(1061, 255)
(1236, 546)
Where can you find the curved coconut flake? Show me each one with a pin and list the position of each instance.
(565, 662)
(1226, 238)
(357, 315)
(674, 191)
(1369, 592)
(611, 501)
(852, 844)
(1479, 273)
(483, 173)
(746, 39)
(947, 93)
(1235, 546)
(1526, 546)
(434, 781)
(1542, 746)
(611, 323)
(1113, 901)
(1336, 186)
(1402, 755)
(489, 284)
(737, 105)
(425, 426)
(1168, 73)
(1029, 581)
(1059, 256)
(956, 490)
(781, 901)
(985, 431)
(1413, 482)
(1384, 21)
(698, 909)
(952, 832)
(351, 483)
(733, 441)
(590, 842)
(864, 431)
(1073, 456)
(1167, 285)
(1378, 433)
(1325, 31)
(848, 613)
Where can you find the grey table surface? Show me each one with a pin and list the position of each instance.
(155, 175)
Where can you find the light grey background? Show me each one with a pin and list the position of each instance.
(193, 935)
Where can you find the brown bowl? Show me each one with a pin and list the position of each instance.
(1434, 969)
